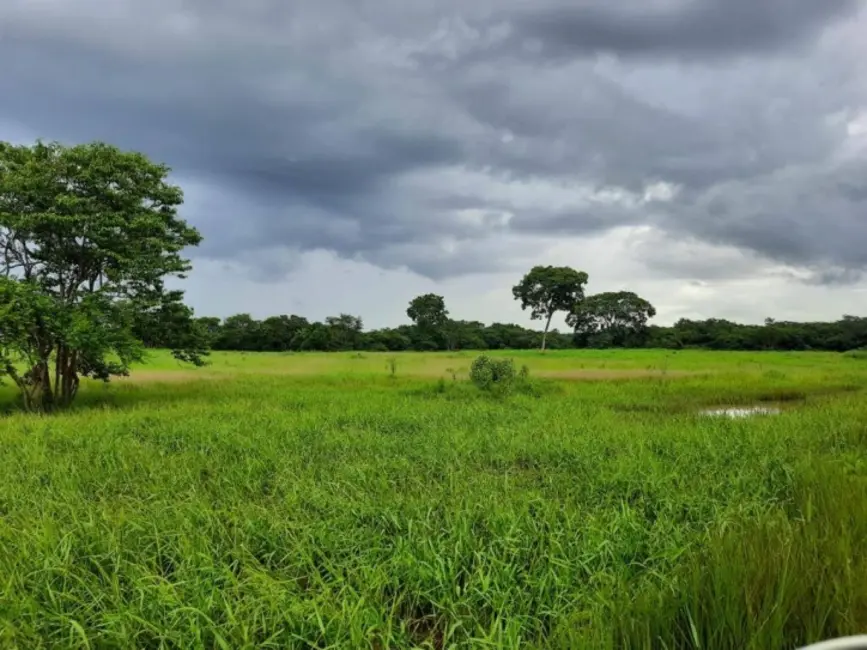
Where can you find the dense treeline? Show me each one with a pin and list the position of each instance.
(344, 332)
(848, 333)
(604, 320)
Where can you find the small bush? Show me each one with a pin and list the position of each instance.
(488, 373)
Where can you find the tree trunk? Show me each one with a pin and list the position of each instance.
(68, 387)
(58, 364)
(545, 333)
(47, 389)
(36, 388)
(23, 383)
(37, 392)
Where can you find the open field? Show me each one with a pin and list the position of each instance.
(376, 500)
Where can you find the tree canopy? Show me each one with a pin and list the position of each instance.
(292, 333)
(611, 319)
(431, 317)
(88, 235)
(428, 311)
(545, 290)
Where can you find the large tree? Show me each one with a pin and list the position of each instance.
(431, 318)
(88, 236)
(545, 290)
(611, 319)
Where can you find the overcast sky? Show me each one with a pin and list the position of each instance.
(347, 155)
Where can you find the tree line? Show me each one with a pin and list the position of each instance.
(89, 234)
(292, 333)
(604, 320)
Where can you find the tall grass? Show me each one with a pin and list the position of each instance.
(369, 510)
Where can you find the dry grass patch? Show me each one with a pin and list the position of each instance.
(600, 374)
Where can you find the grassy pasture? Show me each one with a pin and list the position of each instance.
(374, 500)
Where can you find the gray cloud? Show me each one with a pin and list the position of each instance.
(793, 215)
(680, 28)
(434, 136)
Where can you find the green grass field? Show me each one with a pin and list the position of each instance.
(382, 501)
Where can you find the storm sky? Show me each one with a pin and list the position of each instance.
(347, 155)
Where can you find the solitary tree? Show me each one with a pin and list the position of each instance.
(611, 319)
(545, 290)
(431, 317)
(88, 235)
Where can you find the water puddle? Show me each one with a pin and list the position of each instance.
(740, 412)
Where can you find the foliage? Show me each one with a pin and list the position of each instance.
(88, 236)
(279, 332)
(342, 509)
(612, 319)
(431, 319)
(488, 373)
(170, 324)
(846, 334)
(282, 333)
(545, 290)
(317, 336)
(345, 331)
(428, 311)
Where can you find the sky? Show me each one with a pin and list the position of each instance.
(348, 155)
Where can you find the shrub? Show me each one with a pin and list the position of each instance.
(488, 373)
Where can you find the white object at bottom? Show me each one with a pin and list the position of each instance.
(845, 643)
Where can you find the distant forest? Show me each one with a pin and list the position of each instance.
(605, 320)
(345, 332)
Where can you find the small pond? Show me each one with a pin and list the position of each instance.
(735, 412)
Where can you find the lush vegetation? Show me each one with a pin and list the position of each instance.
(242, 332)
(377, 500)
(384, 500)
(88, 236)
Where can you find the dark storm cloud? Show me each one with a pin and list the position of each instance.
(426, 135)
(602, 131)
(686, 28)
(577, 222)
(812, 215)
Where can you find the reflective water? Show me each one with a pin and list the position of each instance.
(741, 411)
